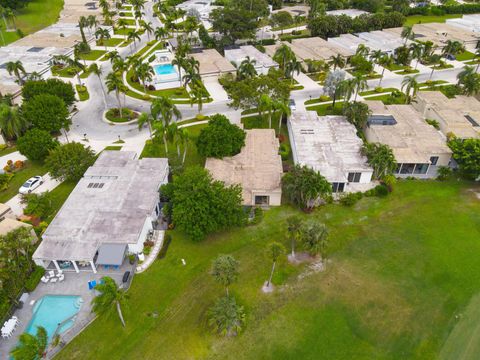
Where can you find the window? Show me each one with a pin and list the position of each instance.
(407, 169)
(434, 160)
(338, 187)
(354, 177)
(421, 168)
(262, 200)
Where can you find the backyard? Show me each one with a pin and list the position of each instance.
(402, 272)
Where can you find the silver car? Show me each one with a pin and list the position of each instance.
(31, 184)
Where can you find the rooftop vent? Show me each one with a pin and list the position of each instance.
(35, 49)
(95, 185)
(381, 120)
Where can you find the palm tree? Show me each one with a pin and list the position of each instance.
(3, 14)
(265, 103)
(184, 137)
(143, 119)
(163, 108)
(147, 26)
(360, 84)
(362, 50)
(160, 134)
(76, 66)
(145, 73)
(172, 136)
(434, 60)
(376, 55)
(417, 52)
(226, 317)
(293, 226)
(83, 23)
(110, 296)
(114, 83)
(337, 61)
(469, 81)
(346, 88)
(92, 22)
(10, 14)
(192, 68)
(453, 48)
(160, 33)
(385, 61)
(97, 70)
(179, 61)
(133, 36)
(314, 237)
(105, 6)
(16, 67)
(407, 34)
(12, 124)
(477, 57)
(410, 84)
(102, 35)
(197, 93)
(274, 251)
(119, 65)
(225, 270)
(282, 56)
(246, 70)
(281, 107)
(466, 71)
(293, 66)
(122, 24)
(31, 346)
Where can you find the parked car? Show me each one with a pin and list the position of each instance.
(126, 275)
(292, 105)
(31, 184)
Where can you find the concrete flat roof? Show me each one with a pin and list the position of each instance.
(467, 22)
(211, 62)
(381, 40)
(110, 204)
(412, 140)
(258, 167)
(453, 112)
(328, 144)
(353, 13)
(239, 54)
(347, 41)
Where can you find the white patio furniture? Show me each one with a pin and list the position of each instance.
(51, 273)
(61, 277)
(9, 327)
(53, 280)
(44, 279)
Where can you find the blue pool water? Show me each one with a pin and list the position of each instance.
(51, 310)
(164, 69)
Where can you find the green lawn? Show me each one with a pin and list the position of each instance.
(401, 268)
(327, 109)
(7, 150)
(389, 99)
(372, 92)
(92, 55)
(37, 15)
(114, 147)
(421, 19)
(157, 149)
(30, 169)
(466, 55)
(82, 92)
(110, 42)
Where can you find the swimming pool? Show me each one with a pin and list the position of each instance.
(51, 311)
(164, 69)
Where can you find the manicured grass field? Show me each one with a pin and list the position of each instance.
(37, 15)
(110, 42)
(421, 19)
(466, 55)
(327, 109)
(30, 169)
(401, 268)
(82, 92)
(92, 55)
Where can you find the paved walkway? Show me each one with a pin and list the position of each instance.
(150, 258)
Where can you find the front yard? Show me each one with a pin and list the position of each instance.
(30, 169)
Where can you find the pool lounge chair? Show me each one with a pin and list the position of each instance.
(53, 280)
(61, 277)
(44, 279)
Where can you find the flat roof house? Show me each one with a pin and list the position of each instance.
(330, 145)
(108, 214)
(257, 169)
(459, 116)
(212, 63)
(263, 62)
(418, 148)
(469, 22)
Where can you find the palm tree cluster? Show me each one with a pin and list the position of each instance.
(469, 81)
(312, 236)
(286, 59)
(111, 296)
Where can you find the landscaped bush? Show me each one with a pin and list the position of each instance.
(284, 151)
(350, 199)
(381, 190)
(34, 278)
(257, 216)
(324, 98)
(5, 180)
(434, 123)
(113, 115)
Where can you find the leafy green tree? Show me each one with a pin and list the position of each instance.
(110, 296)
(246, 69)
(220, 138)
(68, 162)
(201, 205)
(36, 144)
(467, 154)
(305, 186)
(234, 22)
(314, 238)
(164, 109)
(31, 347)
(63, 90)
(12, 124)
(225, 270)
(293, 229)
(381, 159)
(46, 112)
(274, 251)
(39, 205)
(226, 317)
(357, 113)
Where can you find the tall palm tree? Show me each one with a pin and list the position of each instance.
(282, 56)
(143, 119)
(145, 73)
(376, 55)
(31, 346)
(337, 61)
(179, 61)
(163, 108)
(122, 24)
(102, 34)
(76, 65)
(477, 57)
(453, 48)
(293, 66)
(160, 33)
(410, 84)
(192, 69)
(147, 26)
(97, 70)
(362, 50)
(407, 34)
(92, 22)
(416, 50)
(247, 70)
(160, 131)
(360, 84)
(115, 83)
(183, 136)
(433, 60)
(347, 88)
(11, 123)
(133, 36)
(10, 14)
(197, 93)
(110, 296)
(469, 81)
(16, 67)
(82, 24)
(119, 65)
(274, 251)
(281, 107)
(265, 104)
(385, 61)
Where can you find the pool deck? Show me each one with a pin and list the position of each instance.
(74, 284)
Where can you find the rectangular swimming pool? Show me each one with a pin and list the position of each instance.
(54, 311)
(164, 69)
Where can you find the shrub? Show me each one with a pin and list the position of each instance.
(350, 199)
(381, 190)
(434, 123)
(18, 164)
(5, 180)
(325, 98)
(389, 180)
(443, 172)
(284, 151)
(34, 278)
(257, 216)
(379, 89)
(151, 58)
(39, 205)
(36, 144)
(166, 244)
